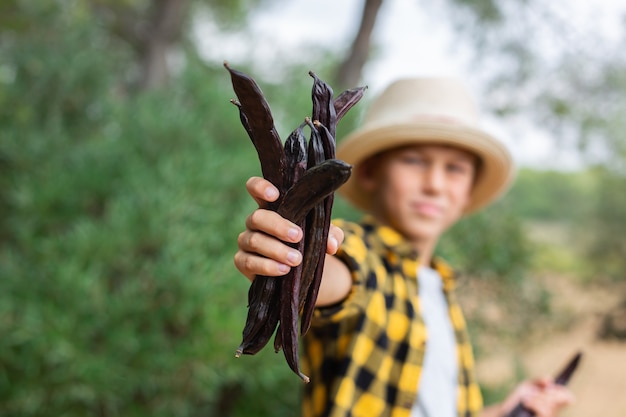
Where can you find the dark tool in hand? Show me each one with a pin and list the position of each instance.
(561, 379)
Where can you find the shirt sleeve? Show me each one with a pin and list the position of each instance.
(352, 253)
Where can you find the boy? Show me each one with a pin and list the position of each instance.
(388, 337)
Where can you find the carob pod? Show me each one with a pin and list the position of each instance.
(265, 323)
(257, 119)
(319, 231)
(561, 379)
(287, 334)
(296, 155)
(323, 108)
(323, 133)
(313, 235)
(306, 179)
(346, 100)
(315, 185)
(327, 139)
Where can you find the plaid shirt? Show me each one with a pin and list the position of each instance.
(364, 355)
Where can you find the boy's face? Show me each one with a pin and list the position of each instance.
(420, 190)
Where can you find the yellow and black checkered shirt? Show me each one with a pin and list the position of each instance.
(364, 355)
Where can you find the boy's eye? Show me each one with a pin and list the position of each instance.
(458, 168)
(415, 160)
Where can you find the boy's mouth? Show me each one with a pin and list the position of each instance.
(428, 209)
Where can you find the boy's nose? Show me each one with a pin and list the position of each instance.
(434, 180)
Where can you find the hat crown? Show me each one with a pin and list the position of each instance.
(441, 100)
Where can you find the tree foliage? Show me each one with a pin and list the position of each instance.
(568, 81)
(117, 290)
(607, 249)
(119, 214)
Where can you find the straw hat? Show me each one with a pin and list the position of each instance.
(428, 111)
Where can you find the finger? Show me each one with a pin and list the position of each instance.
(538, 405)
(265, 246)
(335, 238)
(261, 190)
(543, 382)
(273, 224)
(251, 265)
(556, 393)
(560, 395)
(524, 390)
(548, 402)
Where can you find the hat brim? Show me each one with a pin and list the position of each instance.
(494, 177)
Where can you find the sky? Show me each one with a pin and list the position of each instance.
(290, 28)
(400, 31)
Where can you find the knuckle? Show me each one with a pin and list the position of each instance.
(250, 266)
(254, 218)
(241, 239)
(240, 264)
(237, 260)
(242, 260)
(253, 241)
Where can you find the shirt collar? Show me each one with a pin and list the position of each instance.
(394, 242)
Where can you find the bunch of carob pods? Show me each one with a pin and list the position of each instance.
(307, 174)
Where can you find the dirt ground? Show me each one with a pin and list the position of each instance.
(599, 384)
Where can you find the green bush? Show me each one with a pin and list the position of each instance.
(118, 295)
(551, 196)
(119, 219)
(491, 244)
(606, 248)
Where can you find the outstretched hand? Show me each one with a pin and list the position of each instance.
(542, 396)
(263, 248)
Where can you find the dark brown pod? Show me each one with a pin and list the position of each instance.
(323, 107)
(315, 151)
(295, 155)
(346, 100)
(315, 185)
(261, 317)
(289, 318)
(259, 123)
(260, 327)
(327, 139)
(317, 230)
(313, 234)
(315, 251)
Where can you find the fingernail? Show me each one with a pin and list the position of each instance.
(293, 233)
(293, 256)
(271, 193)
(283, 268)
(333, 243)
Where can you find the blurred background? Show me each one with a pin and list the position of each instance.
(122, 171)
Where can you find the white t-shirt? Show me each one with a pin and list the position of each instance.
(437, 396)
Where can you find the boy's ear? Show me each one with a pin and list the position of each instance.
(366, 175)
